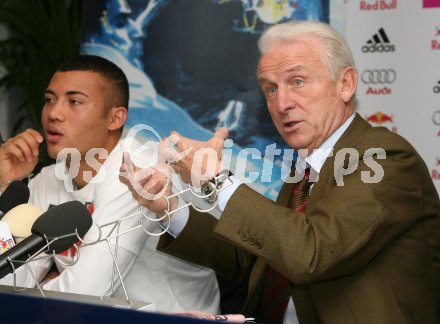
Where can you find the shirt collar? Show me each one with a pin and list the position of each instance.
(316, 159)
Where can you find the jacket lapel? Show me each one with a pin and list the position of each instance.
(349, 139)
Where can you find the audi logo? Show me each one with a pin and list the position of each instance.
(436, 118)
(378, 76)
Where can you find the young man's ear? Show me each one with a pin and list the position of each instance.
(348, 82)
(117, 117)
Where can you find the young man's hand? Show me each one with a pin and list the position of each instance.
(19, 156)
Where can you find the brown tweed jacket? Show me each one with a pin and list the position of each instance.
(362, 252)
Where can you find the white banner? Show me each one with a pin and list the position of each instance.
(396, 46)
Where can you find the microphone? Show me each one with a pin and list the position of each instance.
(20, 220)
(15, 194)
(60, 220)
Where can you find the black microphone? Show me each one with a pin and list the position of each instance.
(60, 220)
(16, 193)
(20, 220)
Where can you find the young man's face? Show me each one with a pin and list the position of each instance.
(74, 114)
(304, 102)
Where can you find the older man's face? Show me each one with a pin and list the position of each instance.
(306, 105)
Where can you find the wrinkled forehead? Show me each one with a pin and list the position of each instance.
(298, 51)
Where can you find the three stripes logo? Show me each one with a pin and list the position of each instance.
(378, 43)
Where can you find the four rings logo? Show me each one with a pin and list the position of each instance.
(378, 79)
(378, 76)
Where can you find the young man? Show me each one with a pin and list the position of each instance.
(84, 112)
(364, 247)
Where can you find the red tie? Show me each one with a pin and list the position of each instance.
(276, 292)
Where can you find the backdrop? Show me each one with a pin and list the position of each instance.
(396, 45)
(192, 64)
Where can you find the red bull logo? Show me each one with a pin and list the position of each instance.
(378, 5)
(379, 118)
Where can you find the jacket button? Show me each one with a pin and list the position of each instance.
(259, 244)
(252, 240)
(245, 236)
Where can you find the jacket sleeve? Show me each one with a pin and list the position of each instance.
(344, 226)
(198, 243)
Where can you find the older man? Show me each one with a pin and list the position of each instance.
(362, 245)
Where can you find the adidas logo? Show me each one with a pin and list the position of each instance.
(378, 43)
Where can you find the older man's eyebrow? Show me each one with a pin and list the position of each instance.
(292, 70)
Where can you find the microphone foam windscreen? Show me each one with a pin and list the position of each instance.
(62, 220)
(15, 194)
(20, 220)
